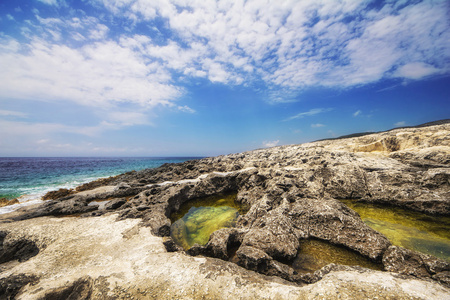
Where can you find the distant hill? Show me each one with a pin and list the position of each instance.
(433, 123)
(439, 122)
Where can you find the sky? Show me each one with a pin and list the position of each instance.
(204, 78)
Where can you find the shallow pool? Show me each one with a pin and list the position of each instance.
(408, 229)
(314, 254)
(197, 219)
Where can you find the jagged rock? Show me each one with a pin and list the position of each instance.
(408, 262)
(404, 261)
(330, 220)
(196, 249)
(52, 195)
(170, 245)
(6, 202)
(57, 208)
(291, 193)
(280, 245)
(122, 186)
(115, 203)
(81, 289)
(284, 271)
(11, 285)
(222, 240)
(16, 248)
(442, 277)
(253, 259)
(124, 260)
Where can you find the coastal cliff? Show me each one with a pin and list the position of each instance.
(110, 239)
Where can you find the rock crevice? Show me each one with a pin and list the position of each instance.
(291, 193)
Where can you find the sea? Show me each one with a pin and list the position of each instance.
(29, 178)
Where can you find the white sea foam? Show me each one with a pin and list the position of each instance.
(11, 208)
(31, 197)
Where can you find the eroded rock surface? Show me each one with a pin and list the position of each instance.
(102, 258)
(292, 194)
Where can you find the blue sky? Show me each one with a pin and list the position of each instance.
(175, 78)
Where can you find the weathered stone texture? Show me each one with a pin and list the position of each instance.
(120, 247)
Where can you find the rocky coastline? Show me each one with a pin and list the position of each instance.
(110, 239)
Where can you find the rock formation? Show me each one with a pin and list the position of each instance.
(112, 238)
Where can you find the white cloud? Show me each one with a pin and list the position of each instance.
(101, 74)
(311, 112)
(416, 70)
(99, 32)
(12, 113)
(269, 144)
(21, 133)
(357, 113)
(9, 45)
(186, 109)
(127, 118)
(285, 46)
(86, 28)
(318, 125)
(401, 123)
(26, 130)
(51, 2)
(346, 44)
(290, 46)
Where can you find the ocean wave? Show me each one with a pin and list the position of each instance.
(29, 179)
(33, 195)
(11, 208)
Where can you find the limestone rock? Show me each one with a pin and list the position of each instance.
(10, 286)
(81, 289)
(408, 262)
(52, 195)
(20, 249)
(122, 186)
(101, 258)
(6, 202)
(291, 193)
(115, 204)
(253, 258)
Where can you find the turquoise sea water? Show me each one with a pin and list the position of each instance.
(31, 177)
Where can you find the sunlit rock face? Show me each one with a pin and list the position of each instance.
(292, 194)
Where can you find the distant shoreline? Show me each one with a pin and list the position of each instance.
(27, 179)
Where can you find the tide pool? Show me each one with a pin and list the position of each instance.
(406, 228)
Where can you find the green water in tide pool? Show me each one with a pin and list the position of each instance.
(314, 254)
(408, 229)
(197, 219)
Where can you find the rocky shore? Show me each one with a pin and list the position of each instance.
(110, 239)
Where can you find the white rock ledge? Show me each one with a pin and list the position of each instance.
(125, 260)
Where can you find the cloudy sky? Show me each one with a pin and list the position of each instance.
(187, 77)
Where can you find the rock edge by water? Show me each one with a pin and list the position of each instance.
(292, 193)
